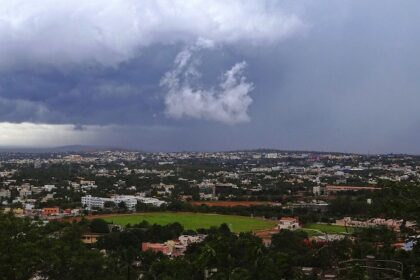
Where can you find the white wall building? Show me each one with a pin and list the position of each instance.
(91, 201)
(130, 201)
(316, 190)
(150, 200)
(49, 188)
(5, 193)
(288, 223)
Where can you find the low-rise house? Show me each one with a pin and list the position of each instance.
(374, 222)
(189, 239)
(49, 188)
(333, 189)
(5, 193)
(156, 247)
(173, 248)
(36, 190)
(48, 196)
(50, 211)
(90, 238)
(289, 223)
(25, 192)
(316, 190)
(15, 211)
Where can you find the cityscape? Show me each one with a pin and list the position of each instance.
(209, 140)
(126, 201)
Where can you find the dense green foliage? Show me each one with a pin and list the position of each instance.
(54, 251)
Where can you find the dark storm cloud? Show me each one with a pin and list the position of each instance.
(347, 80)
(91, 65)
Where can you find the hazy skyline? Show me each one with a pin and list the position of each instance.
(200, 75)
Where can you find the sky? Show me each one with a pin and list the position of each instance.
(170, 75)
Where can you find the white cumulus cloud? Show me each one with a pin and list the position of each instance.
(227, 103)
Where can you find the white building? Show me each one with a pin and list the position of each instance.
(289, 223)
(25, 192)
(271, 155)
(49, 188)
(5, 193)
(150, 200)
(129, 200)
(91, 201)
(189, 239)
(316, 190)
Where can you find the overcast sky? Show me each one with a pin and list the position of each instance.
(211, 75)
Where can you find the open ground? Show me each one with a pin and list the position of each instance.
(194, 220)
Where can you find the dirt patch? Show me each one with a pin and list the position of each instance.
(91, 217)
(230, 203)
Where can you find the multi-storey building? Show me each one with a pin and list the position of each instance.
(91, 201)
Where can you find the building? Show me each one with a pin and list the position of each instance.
(50, 211)
(49, 188)
(90, 202)
(318, 206)
(25, 192)
(224, 188)
(316, 190)
(189, 239)
(289, 223)
(5, 193)
(374, 222)
(15, 211)
(207, 189)
(156, 247)
(271, 155)
(90, 238)
(333, 189)
(130, 201)
(150, 200)
(173, 248)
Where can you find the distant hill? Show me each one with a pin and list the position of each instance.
(62, 149)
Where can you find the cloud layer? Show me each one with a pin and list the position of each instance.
(45, 135)
(71, 62)
(61, 32)
(348, 83)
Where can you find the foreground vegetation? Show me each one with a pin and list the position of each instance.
(54, 251)
(30, 248)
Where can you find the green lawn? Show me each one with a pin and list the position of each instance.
(195, 220)
(311, 232)
(316, 229)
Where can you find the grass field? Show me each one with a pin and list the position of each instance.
(316, 229)
(195, 220)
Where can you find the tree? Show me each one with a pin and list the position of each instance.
(290, 242)
(99, 226)
(122, 206)
(27, 250)
(109, 204)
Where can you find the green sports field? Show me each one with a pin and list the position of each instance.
(318, 229)
(195, 220)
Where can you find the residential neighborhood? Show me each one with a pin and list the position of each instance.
(321, 199)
